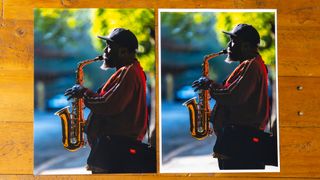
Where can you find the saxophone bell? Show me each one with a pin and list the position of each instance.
(70, 140)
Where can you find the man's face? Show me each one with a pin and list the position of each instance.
(110, 55)
(234, 49)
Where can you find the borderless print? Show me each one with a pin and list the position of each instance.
(94, 69)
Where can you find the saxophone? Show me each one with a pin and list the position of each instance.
(73, 122)
(200, 112)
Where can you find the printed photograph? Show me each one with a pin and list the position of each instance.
(94, 91)
(218, 91)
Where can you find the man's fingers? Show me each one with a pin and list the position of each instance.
(195, 82)
(68, 90)
(195, 85)
(68, 93)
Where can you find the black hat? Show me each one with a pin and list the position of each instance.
(245, 32)
(122, 37)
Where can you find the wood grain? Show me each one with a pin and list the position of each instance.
(292, 101)
(16, 148)
(298, 64)
(17, 101)
(16, 71)
(297, 47)
(16, 40)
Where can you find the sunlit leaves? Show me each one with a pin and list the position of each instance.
(139, 21)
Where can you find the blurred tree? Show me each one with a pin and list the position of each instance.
(65, 28)
(188, 28)
(264, 22)
(139, 21)
(60, 28)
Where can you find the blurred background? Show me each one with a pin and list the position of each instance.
(62, 38)
(186, 37)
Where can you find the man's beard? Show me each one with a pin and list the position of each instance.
(107, 63)
(233, 56)
(229, 59)
(104, 66)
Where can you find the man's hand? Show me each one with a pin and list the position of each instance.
(76, 91)
(202, 83)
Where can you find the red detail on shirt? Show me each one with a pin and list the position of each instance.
(255, 139)
(132, 151)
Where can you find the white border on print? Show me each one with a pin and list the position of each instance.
(272, 169)
(159, 92)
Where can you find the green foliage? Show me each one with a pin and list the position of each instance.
(139, 21)
(262, 21)
(60, 27)
(187, 27)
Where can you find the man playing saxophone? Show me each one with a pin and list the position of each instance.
(118, 119)
(242, 100)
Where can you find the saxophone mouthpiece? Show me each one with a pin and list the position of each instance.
(225, 51)
(99, 57)
(213, 55)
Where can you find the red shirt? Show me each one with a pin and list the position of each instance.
(243, 98)
(122, 103)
